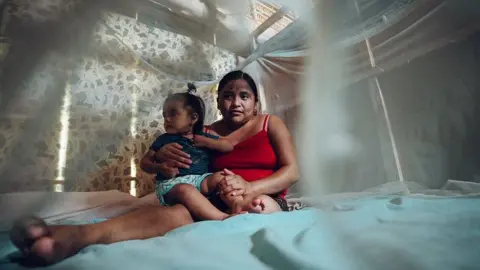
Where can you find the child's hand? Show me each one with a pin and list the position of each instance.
(201, 141)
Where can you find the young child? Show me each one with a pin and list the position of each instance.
(184, 114)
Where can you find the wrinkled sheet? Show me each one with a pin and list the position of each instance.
(73, 206)
(377, 232)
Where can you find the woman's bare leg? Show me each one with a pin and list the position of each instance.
(50, 244)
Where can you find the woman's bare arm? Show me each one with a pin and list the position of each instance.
(288, 173)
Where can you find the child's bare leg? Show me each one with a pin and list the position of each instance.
(209, 185)
(198, 205)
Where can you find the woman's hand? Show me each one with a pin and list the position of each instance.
(234, 185)
(174, 156)
(167, 169)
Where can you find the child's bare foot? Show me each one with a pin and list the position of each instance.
(46, 244)
(257, 206)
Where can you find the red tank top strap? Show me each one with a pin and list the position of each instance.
(265, 123)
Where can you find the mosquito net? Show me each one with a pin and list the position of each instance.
(83, 83)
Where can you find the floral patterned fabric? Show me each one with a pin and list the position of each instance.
(109, 87)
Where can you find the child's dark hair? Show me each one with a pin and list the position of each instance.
(192, 102)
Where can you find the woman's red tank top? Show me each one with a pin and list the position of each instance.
(252, 159)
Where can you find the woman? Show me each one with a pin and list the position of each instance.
(263, 162)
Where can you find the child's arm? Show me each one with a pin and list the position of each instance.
(220, 144)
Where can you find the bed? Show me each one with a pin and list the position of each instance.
(376, 229)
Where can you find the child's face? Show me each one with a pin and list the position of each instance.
(177, 119)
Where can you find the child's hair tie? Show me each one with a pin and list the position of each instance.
(191, 88)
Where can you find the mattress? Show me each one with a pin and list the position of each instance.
(370, 232)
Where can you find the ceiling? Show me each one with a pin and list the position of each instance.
(224, 23)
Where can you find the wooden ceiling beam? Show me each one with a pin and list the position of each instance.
(269, 22)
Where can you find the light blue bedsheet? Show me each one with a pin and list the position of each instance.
(373, 233)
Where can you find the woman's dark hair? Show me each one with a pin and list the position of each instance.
(237, 75)
(192, 102)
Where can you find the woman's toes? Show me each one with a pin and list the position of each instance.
(35, 232)
(262, 205)
(43, 250)
(255, 210)
(256, 202)
(26, 231)
(257, 206)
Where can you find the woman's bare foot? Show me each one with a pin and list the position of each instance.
(238, 203)
(46, 244)
(257, 206)
(236, 214)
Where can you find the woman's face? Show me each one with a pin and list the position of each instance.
(236, 102)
